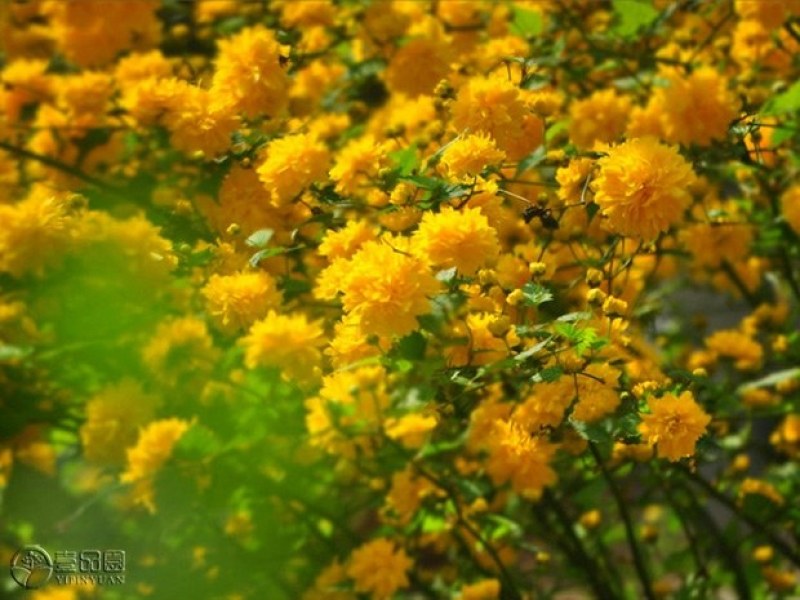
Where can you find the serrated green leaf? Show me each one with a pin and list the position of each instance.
(534, 294)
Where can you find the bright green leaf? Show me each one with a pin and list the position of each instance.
(786, 102)
(526, 23)
(633, 15)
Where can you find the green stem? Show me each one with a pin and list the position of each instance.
(578, 552)
(638, 557)
(758, 527)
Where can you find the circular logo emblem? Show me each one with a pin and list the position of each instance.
(31, 567)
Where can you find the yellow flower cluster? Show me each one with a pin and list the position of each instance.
(413, 298)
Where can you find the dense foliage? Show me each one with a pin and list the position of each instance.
(339, 299)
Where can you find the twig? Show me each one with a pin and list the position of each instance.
(638, 558)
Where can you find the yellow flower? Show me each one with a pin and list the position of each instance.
(599, 118)
(481, 348)
(597, 396)
(34, 233)
(349, 344)
(495, 106)
(239, 299)
(711, 243)
(487, 589)
(289, 342)
(153, 449)
(350, 402)
(140, 66)
(406, 494)
(468, 156)
(456, 238)
(346, 241)
(546, 405)
(249, 73)
(642, 187)
(695, 109)
(358, 162)
(113, 418)
(197, 123)
(328, 584)
(180, 347)
(675, 423)
(387, 290)
(790, 207)
(517, 456)
(311, 12)
(293, 163)
(759, 487)
(770, 14)
(379, 568)
(411, 430)
(786, 438)
(91, 34)
(746, 353)
(573, 181)
(418, 66)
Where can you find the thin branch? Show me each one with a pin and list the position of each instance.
(638, 557)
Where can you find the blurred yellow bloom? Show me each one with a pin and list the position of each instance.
(379, 568)
(289, 342)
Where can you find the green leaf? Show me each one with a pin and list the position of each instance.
(503, 527)
(633, 15)
(534, 294)
(526, 23)
(784, 132)
(197, 443)
(8, 352)
(548, 375)
(433, 524)
(260, 238)
(532, 351)
(772, 379)
(574, 316)
(594, 432)
(265, 253)
(442, 447)
(447, 275)
(406, 159)
(412, 346)
(533, 159)
(426, 183)
(787, 102)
